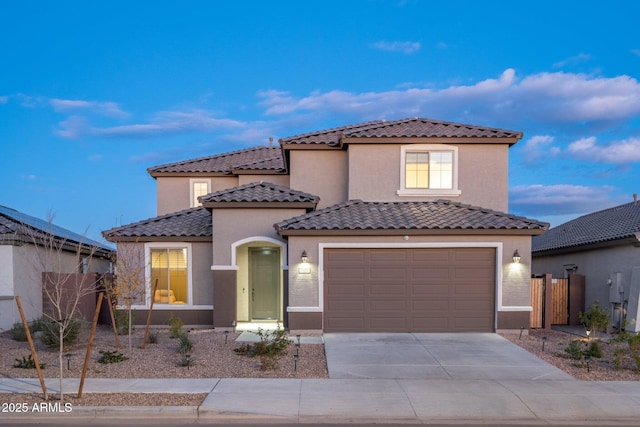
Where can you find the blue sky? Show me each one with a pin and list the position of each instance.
(94, 93)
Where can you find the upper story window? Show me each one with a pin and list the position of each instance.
(429, 170)
(199, 187)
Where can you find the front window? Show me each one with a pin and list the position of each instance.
(169, 275)
(429, 170)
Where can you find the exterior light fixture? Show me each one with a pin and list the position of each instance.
(304, 257)
(516, 256)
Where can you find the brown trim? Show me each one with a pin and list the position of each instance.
(146, 239)
(305, 320)
(198, 317)
(514, 320)
(424, 232)
(224, 298)
(310, 146)
(428, 140)
(264, 205)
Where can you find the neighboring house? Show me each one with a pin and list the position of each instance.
(24, 257)
(380, 226)
(603, 246)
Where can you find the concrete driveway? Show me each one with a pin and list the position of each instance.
(459, 356)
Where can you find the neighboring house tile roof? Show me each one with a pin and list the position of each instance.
(189, 224)
(17, 227)
(405, 217)
(256, 158)
(606, 226)
(406, 128)
(259, 192)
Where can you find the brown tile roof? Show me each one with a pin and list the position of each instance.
(441, 216)
(189, 224)
(256, 158)
(406, 128)
(259, 192)
(608, 225)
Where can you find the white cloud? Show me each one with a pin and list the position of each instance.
(559, 98)
(581, 57)
(539, 146)
(636, 52)
(561, 199)
(109, 109)
(402, 47)
(618, 152)
(4, 99)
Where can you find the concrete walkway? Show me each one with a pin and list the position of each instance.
(335, 401)
(461, 379)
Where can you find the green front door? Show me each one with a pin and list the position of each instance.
(264, 278)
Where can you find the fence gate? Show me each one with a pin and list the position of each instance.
(556, 301)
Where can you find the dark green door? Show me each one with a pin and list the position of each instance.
(264, 277)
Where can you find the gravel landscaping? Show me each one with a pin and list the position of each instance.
(213, 356)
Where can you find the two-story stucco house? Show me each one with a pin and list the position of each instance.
(380, 226)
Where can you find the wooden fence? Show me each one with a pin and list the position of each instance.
(566, 300)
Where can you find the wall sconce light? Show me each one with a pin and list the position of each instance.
(304, 257)
(516, 256)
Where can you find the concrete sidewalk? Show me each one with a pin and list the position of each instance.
(334, 401)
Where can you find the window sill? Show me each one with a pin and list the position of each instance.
(416, 192)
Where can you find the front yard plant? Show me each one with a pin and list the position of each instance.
(271, 346)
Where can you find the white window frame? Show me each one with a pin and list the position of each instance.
(192, 182)
(428, 148)
(147, 275)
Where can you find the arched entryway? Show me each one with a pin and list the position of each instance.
(259, 282)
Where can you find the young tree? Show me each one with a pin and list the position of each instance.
(60, 261)
(129, 282)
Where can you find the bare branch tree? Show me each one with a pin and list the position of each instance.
(61, 261)
(129, 284)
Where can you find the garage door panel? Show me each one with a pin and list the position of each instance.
(383, 273)
(431, 305)
(435, 274)
(411, 290)
(386, 305)
(390, 289)
(344, 306)
(347, 290)
(436, 289)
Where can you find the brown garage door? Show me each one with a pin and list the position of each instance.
(409, 290)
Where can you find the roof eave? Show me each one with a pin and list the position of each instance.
(406, 232)
(629, 240)
(422, 140)
(146, 239)
(260, 205)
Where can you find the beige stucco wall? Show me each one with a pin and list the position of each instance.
(22, 268)
(374, 174)
(323, 173)
(201, 275)
(174, 194)
(515, 280)
(597, 267)
(274, 179)
(233, 225)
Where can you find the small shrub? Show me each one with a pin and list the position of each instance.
(111, 357)
(122, 321)
(175, 326)
(271, 346)
(574, 350)
(17, 332)
(184, 343)
(594, 350)
(50, 333)
(595, 318)
(185, 361)
(152, 338)
(27, 363)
